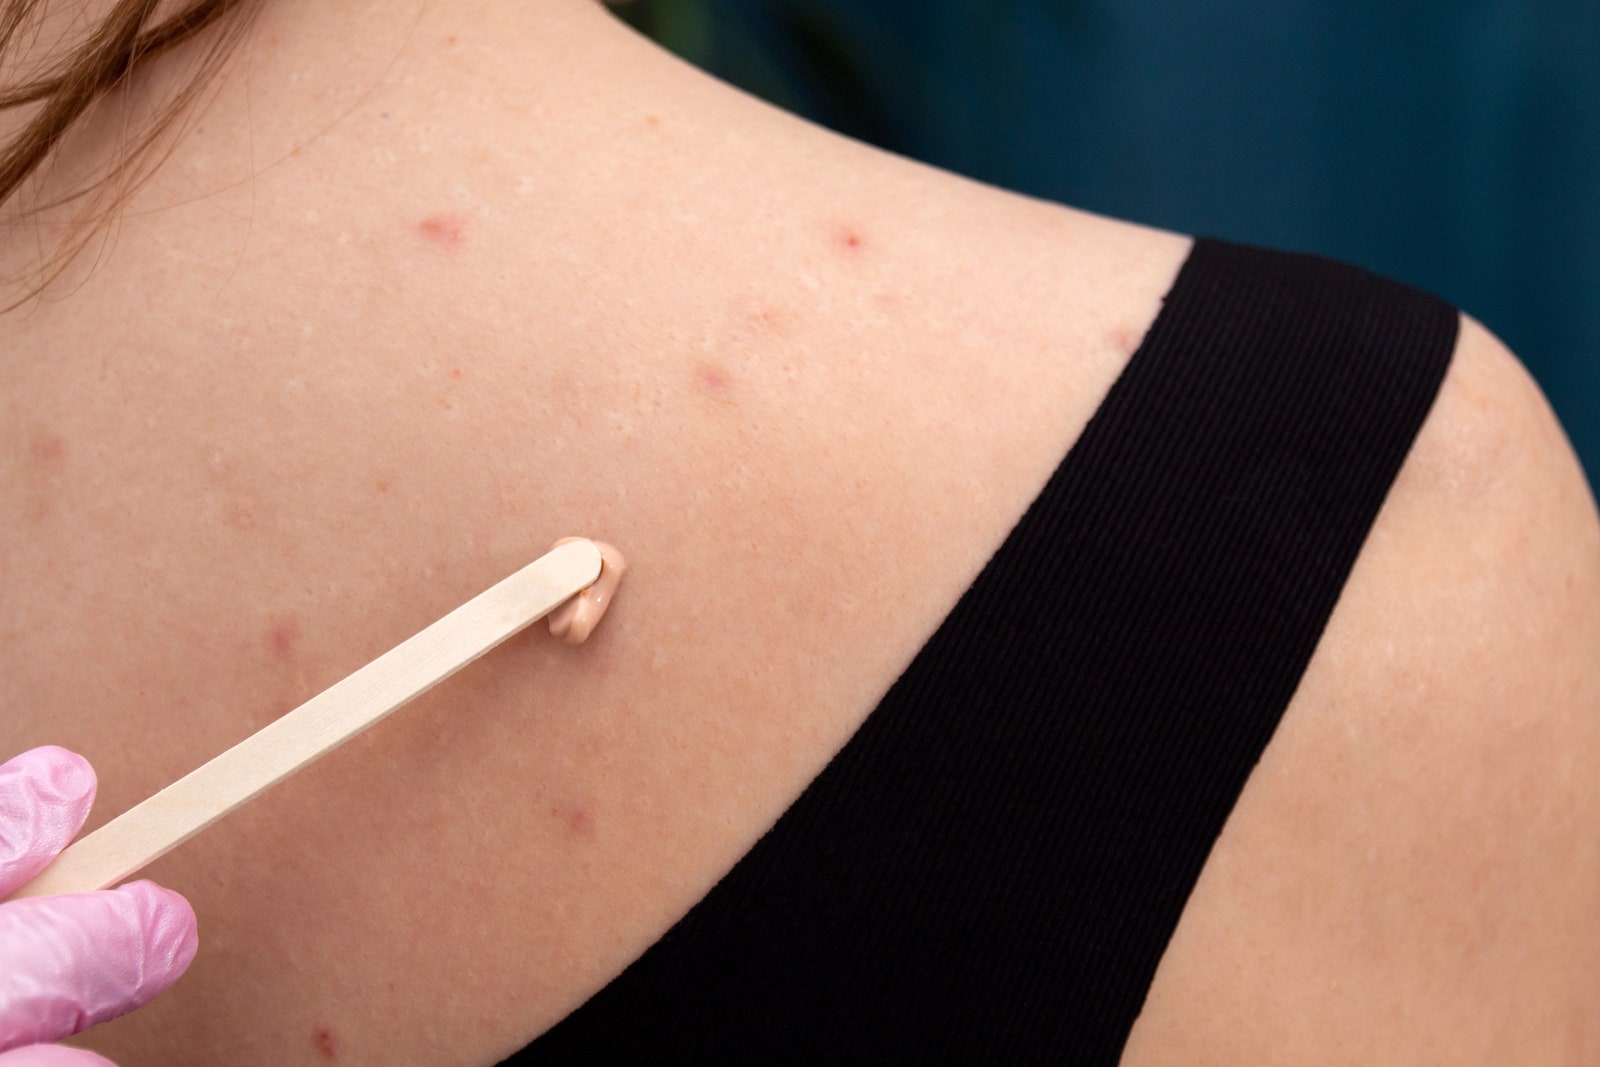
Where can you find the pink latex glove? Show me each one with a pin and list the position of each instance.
(68, 962)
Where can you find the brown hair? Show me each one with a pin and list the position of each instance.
(62, 88)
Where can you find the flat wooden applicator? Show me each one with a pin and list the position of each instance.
(154, 827)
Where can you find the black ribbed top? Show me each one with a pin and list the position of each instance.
(992, 867)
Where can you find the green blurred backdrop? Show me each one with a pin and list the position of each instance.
(1455, 146)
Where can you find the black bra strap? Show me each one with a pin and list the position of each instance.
(991, 869)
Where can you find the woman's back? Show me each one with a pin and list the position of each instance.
(501, 276)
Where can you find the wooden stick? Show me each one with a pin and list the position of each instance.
(149, 830)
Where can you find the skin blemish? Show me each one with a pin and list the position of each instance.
(240, 516)
(447, 230)
(282, 638)
(1124, 340)
(771, 320)
(578, 820)
(713, 379)
(455, 372)
(381, 486)
(324, 1042)
(850, 239)
(47, 450)
(47, 454)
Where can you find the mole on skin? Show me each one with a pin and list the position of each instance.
(576, 619)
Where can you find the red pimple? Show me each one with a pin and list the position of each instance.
(850, 239)
(1124, 340)
(712, 378)
(46, 449)
(445, 229)
(327, 1046)
(455, 372)
(282, 638)
(579, 820)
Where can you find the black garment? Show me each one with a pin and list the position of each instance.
(992, 867)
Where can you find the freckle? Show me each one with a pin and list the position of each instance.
(653, 120)
(327, 1047)
(712, 378)
(448, 230)
(282, 638)
(381, 486)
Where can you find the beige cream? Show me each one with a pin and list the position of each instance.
(575, 620)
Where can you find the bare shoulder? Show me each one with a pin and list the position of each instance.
(1413, 872)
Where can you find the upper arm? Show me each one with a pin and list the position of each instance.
(1413, 872)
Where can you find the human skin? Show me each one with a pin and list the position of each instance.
(419, 292)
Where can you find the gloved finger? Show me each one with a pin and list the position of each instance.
(52, 1056)
(69, 962)
(45, 794)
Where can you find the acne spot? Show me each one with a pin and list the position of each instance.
(769, 320)
(381, 485)
(455, 373)
(578, 819)
(850, 239)
(324, 1042)
(46, 449)
(446, 229)
(240, 516)
(713, 379)
(282, 638)
(47, 454)
(1124, 340)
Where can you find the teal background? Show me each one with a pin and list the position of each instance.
(1454, 146)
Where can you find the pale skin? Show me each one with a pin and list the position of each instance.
(422, 290)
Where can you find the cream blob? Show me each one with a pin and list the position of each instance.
(576, 619)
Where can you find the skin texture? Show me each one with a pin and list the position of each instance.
(418, 293)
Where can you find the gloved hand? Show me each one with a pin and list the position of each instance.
(68, 962)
